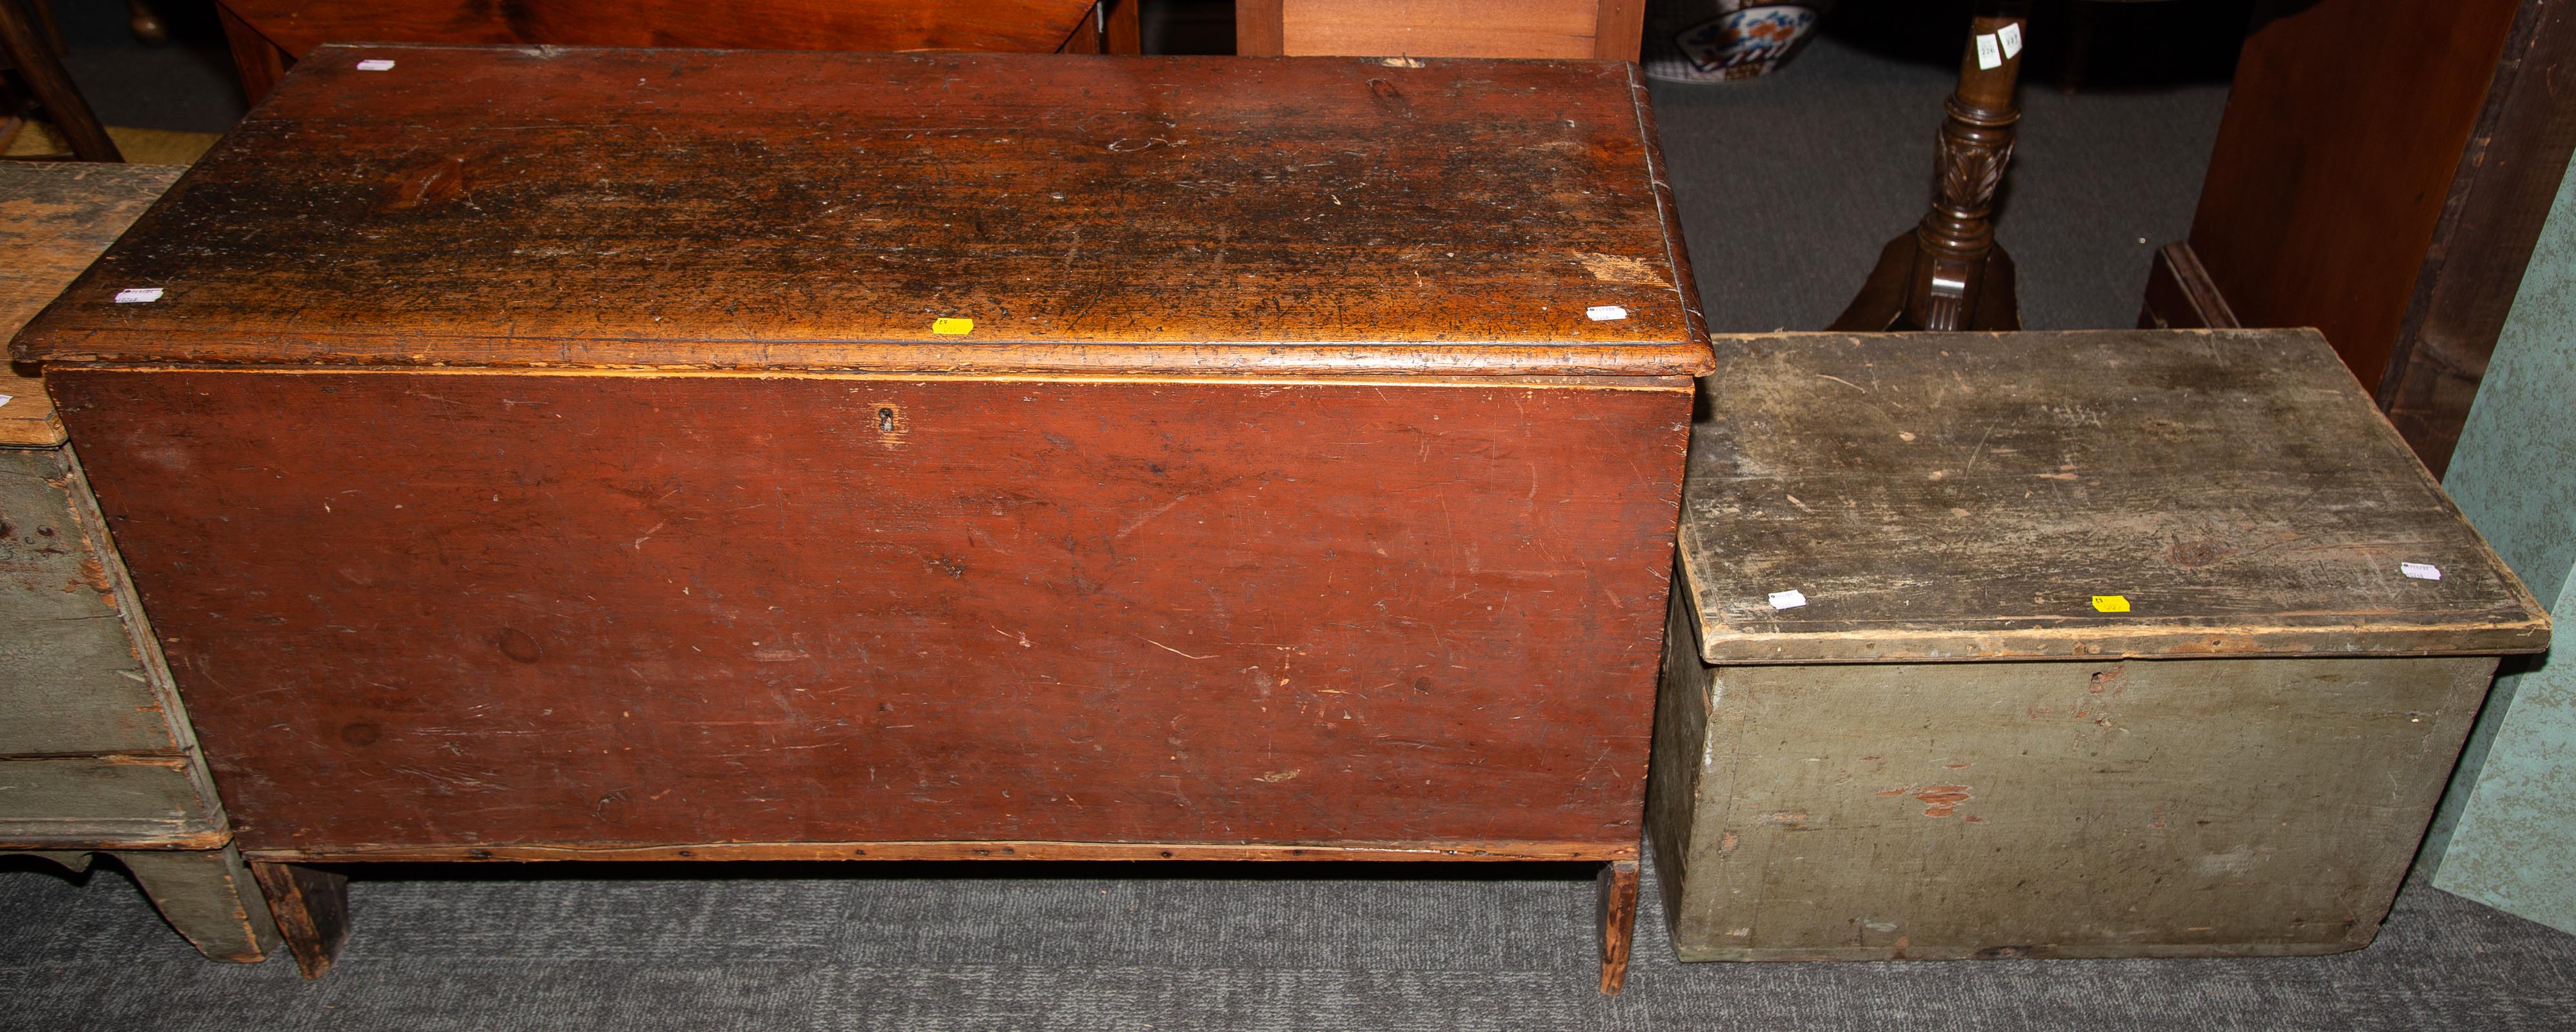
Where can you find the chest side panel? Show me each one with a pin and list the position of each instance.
(476, 608)
(69, 678)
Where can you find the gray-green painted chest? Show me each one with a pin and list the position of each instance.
(95, 752)
(2101, 644)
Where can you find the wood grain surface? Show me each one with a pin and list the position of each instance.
(55, 217)
(1967, 496)
(1374, 852)
(477, 609)
(2139, 808)
(1037, 26)
(553, 206)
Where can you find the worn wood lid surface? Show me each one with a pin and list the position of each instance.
(2054, 495)
(54, 218)
(677, 208)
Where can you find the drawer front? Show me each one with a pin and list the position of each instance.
(104, 800)
(69, 678)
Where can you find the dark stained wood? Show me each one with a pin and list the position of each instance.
(2180, 295)
(986, 850)
(2508, 175)
(1033, 26)
(311, 908)
(1618, 906)
(257, 62)
(2336, 157)
(1948, 273)
(1258, 28)
(1619, 31)
(33, 58)
(60, 216)
(600, 610)
(541, 207)
(1945, 498)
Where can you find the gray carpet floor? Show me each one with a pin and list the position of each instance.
(1787, 187)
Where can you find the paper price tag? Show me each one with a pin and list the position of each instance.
(4, 399)
(952, 327)
(1788, 599)
(2420, 571)
(1990, 54)
(2110, 603)
(2010, 37)
(138, 295)
(375, 64)
(1605, 313)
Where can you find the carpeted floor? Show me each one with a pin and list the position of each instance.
(1787, 186)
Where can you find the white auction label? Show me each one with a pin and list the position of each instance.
(1791, 599)
(1990, 55)
(375, 64)
(1605, 313)
(2420, 571)
(138, 295)
(2010, 37)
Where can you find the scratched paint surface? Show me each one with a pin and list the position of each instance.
(820, 210)
(2048, 809)
(588, 608)
(1966, 497)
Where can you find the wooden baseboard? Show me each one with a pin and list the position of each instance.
(2180, 295)
(1454, 851)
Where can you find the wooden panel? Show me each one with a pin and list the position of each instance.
(1438, 852)
(2335, 157)
(258, 62)
(1439, 28)
(488, 609)
(825, 210)
(1940, 497)
(2499, 199)
(54, 218)
(2118, 809)
(208, 896)
(1620, 31)
(70, 679)
(102, 801)
(1035, 26)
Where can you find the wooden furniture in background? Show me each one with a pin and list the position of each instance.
(32, 56)
(1947, 273)
(95, 754)
(267, 36)
(1229, 474)
(2108, 647)
(2381, 172)
(1609, 29)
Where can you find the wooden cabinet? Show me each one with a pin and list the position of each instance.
(2116, 644)
(95, 755)
(633, 454)
(1611, 29)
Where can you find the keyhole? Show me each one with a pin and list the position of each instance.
(885, 420)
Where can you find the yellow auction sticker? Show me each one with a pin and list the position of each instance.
(952, 327)
(2111, 603)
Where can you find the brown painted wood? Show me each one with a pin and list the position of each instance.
(33, 58)
(1619, 30)
(311, 908)
(2180, 295)
(981, 850)
(1618, 907)
(1257, 29)
(1147, 214)
(2338, 152)
(1950, 498)
(1948, 273)
(1033, 26)
(60, 216)
(839, 609)
(2508, 175)
(257, 62)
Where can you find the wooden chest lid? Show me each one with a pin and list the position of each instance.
(523, 206)
(1958, 496)
(54, 218)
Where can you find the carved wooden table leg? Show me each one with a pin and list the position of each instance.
(1948, 273)
(1618, 922)
(311, 906)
